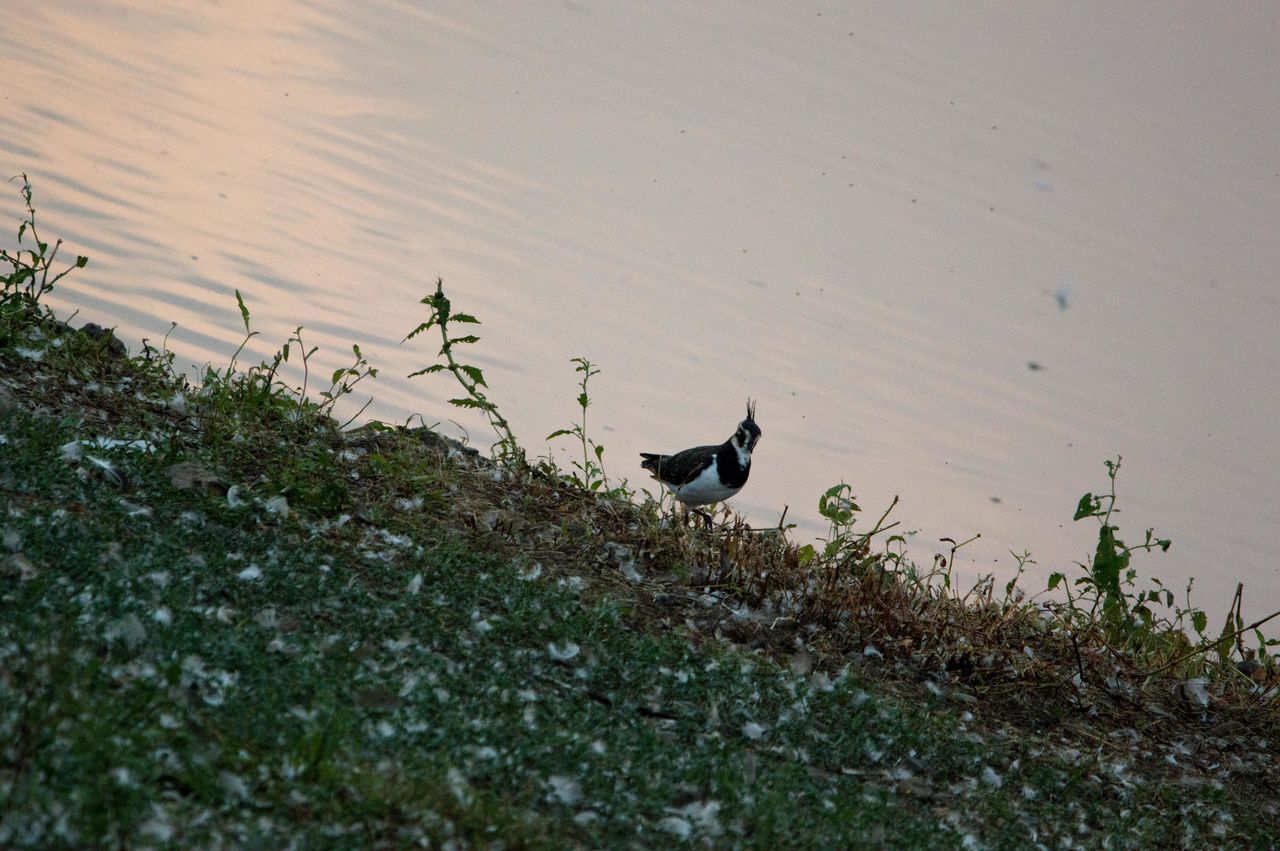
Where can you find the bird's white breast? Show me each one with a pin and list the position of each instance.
(705, 489)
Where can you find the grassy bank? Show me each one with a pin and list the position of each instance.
(225, 621)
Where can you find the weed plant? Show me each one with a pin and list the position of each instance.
(507, 449)
(589, 473)
(31, 274)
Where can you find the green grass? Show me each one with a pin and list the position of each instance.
(154, 689)
(182, 673)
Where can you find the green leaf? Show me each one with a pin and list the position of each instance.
(599, 451)
(470, 338)
(836, 506)
(244, 311)
(474, 373)
(1085, 507)
(81, 260)
(1055, 579)
(806, 554)
(1108, 563)
(423, 327)
(427, 370)
(1164, 544)
(465, 317)
(583, 401)
(1199, 620)
(470, 403)
(560, 432)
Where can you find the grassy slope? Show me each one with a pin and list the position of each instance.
(177, 671)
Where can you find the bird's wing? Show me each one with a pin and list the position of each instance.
(684, 467)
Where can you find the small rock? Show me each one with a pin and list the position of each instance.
(187, 475)
(378, 698)
(107, 337)
(1253, 669)
(1226, 728)
(18, 565)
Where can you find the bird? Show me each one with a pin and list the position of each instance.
(706, 474)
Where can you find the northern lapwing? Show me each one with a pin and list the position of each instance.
(706, 474)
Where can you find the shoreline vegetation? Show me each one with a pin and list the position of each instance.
(229, 620)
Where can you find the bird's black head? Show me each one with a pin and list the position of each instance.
(748, 432)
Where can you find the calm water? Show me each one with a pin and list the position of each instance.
(873, 218)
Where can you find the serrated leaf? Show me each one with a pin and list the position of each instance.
(423, 327)
(474, 373)
(470, 338)
(244, 311)
(427, 370)
(465, 317)
(469, 403)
